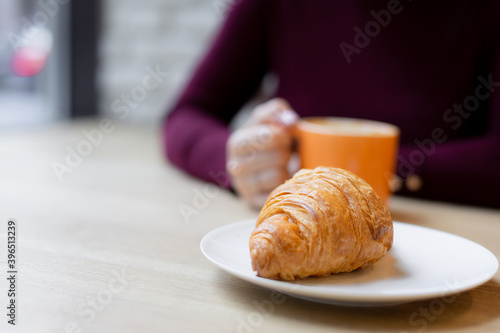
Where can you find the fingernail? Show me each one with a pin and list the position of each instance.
(288, 117)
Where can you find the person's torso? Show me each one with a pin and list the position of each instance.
(406, 63)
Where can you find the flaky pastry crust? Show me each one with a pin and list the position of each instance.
(320, 222)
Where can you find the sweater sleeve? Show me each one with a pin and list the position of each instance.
(463, 170)
(196, 130)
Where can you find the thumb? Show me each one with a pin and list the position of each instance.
(276, 112)
(287, 118)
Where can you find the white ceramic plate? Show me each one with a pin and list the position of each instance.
(423, 263)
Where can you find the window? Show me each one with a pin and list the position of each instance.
(47, 60)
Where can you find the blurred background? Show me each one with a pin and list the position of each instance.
(123, 59)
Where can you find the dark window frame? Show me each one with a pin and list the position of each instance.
(84, 28)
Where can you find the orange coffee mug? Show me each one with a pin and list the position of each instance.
(364, 147)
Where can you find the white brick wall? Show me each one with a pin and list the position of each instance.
(171, 34)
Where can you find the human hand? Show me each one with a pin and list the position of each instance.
(258, 152)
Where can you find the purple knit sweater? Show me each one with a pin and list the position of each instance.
(430, 67)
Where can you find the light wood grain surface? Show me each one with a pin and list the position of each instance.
(107, 249)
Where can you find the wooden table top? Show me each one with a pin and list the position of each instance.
(102, 246)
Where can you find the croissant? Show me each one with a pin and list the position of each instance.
(320, 222)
